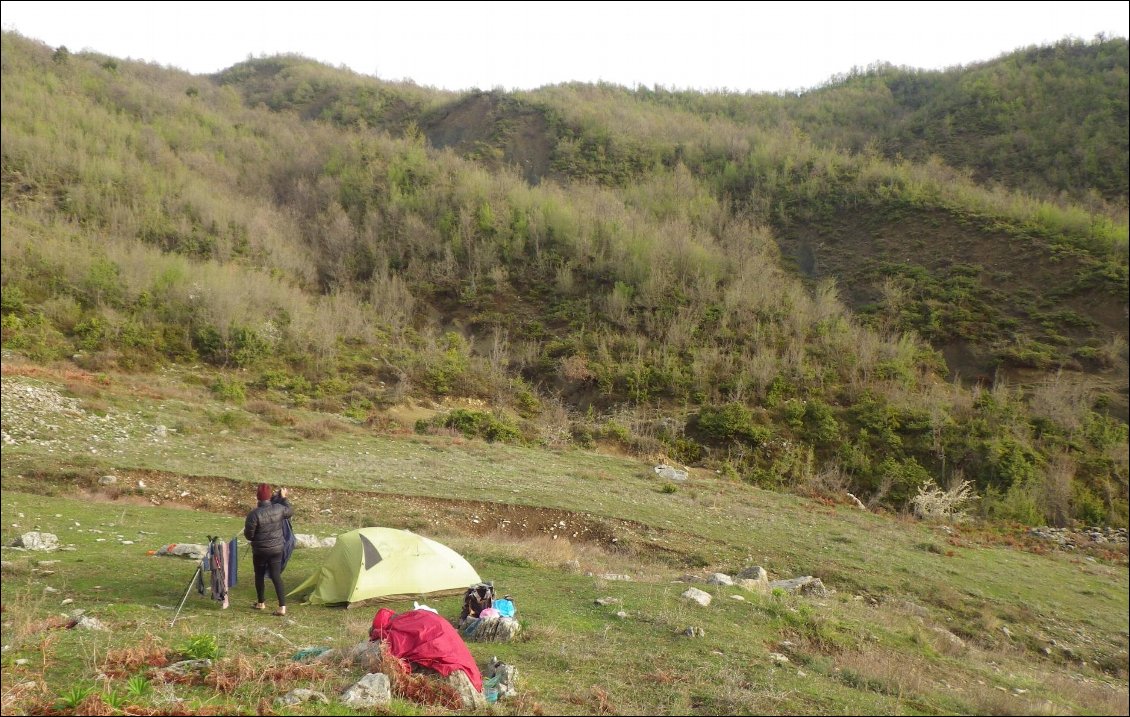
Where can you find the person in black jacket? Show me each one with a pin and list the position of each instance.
(264, 530)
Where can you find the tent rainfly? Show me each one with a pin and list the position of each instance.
(378, 564)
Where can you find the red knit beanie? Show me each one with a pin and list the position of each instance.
(264, 492)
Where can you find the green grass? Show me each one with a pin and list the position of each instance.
(873, 646)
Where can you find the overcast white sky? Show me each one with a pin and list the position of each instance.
(758, 46)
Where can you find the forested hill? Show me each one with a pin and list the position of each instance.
(724, 281)
(1049, 121)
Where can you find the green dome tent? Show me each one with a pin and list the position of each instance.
(377, 564)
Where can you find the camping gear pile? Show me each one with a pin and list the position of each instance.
(383, 564)
(485, 618)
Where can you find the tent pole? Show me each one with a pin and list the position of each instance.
(186, 592)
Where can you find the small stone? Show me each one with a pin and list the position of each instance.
(300, 695)
(778, 658)
(606, 601)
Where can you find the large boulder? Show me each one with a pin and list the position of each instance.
(36, 540)
(472, 698)
(754, 572)
(491, 629)
(695, 595)
(806, 585)
(670, 473)
(753, 578)
(366, 654)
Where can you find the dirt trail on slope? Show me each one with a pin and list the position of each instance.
(216, 494)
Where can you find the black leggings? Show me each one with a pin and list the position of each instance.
(272, 563)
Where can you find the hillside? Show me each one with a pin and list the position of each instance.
(486, 317)
(586, 266)
(930, 617)
(1044, 120)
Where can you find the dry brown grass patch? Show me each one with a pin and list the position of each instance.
(320, 429)
(596, 700)
(130, 660)
(895, 674)
(1093, 696)
(272, 413)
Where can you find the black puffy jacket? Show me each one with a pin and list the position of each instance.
(264, 526)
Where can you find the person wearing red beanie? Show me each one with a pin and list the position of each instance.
(264, 530)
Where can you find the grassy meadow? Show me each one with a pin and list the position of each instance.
(923, 618)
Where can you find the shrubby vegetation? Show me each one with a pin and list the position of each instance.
(291, 226)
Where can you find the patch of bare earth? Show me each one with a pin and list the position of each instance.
(217, 494)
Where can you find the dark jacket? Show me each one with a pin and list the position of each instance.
(264, 525)
(477, 599)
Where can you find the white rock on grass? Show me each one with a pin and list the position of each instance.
(806, 585)
(372, 690)
(754, 572)
(720, 579)
(305, 540)
(695, 595)
(36, 540)
(85, 622)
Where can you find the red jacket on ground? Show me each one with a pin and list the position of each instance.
(424, 638)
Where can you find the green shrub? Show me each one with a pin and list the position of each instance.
(731, 422)
(200, 647)
(115, 700)
(793, 411)
(74, 697)
(1087, 506)
(13, 300)
(478, 424)
(138, 685)
(229, 389)
(246, 347)
(528, 403)
(820, 423)
(1019, 503)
